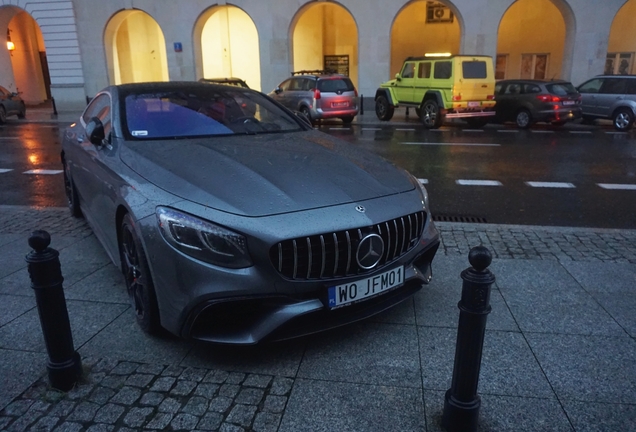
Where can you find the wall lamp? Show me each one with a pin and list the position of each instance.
(10, 46)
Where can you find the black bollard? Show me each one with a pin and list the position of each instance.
(362, 104)
(461, 402)
(64, 365)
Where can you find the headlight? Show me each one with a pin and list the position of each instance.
(424, 192)
(202, 239)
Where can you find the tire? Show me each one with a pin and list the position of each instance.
(430, 115)
(138, 279)
(477, 122)
(623, 119)
(383, 109)
(523, 119)
(22, 113)
(347, 120)
(418, 112)
(72, 199)
(305, 110)
(3, 115)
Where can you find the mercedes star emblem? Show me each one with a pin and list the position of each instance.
(370, 250)
(360, 208)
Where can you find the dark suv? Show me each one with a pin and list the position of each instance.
(528, 101)
(610, 97)
(319, 95)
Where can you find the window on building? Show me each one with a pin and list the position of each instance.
(500, 67)
(618, 63)
(534, 66)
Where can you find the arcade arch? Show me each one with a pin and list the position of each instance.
(226, 45)
(24, 68)
(622, 42)
(325, 36)
(417, 18)
(135, 48)
(531, 41)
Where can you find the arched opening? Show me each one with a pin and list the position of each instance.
(524, 52)
(23, 65)
(622, 42)
(228, 45)
(135, 48)
(423, 27)
(325, 36)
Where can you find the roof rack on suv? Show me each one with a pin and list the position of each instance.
(314, 72)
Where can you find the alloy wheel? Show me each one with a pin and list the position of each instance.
(132, 272)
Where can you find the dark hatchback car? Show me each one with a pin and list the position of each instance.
(237, 226)
(11, 104)
(529, 101)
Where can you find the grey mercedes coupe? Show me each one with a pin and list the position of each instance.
(233, 221)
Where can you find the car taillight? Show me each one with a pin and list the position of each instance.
(316, 94)
(548, 98)
(490, 97)
(457, 97)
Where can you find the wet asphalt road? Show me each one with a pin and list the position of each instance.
(572, 176)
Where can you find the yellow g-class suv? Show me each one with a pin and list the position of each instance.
(441, 86)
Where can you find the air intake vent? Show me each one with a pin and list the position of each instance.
(464, 219)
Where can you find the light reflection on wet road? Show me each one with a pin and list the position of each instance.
(549, 157)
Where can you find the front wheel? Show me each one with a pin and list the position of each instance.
(3, 115)
(72, 199)
(383, 109)
(22, 112)
(623, 119)
(430, 114)
(137, 276)
(523, 119)
(307, 114)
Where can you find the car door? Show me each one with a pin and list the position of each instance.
(281, 95)
(589, 91)
(507, 100)
(611, 94)
(406, 83)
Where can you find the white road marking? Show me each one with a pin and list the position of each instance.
(450, 144)
(400, 129)
(478, 182)
(371, 129)
(423, 181)
(474, 130)
(340, 128)
(561, 185)
(542, 131)
(581, 132)
(43, 171)
(9, 138)
(615, 133)
(508, 130)
(617, 186)
(5, 170)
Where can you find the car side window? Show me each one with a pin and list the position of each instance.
(285, 85)
(531, 88)
(296, 84)
(309, 84)
(4, 92)
(443, 70)
(408, 71)
(592, 86)
(498, 88)
(613, 86)
(96, 107)
(424, 70)
(513, 88)
(631, 86)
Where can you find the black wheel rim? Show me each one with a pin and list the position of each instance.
(381, 107)
(429, 114)
(135, 282)
(68, 187)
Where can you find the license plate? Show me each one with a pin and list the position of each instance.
(342, 295)
(569, 102)
(339, 104)
(474, 104)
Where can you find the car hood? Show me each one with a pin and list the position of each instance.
(266, 174)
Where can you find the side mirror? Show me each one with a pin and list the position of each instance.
(14, 94)
(303, 117)
(398, 77)
(278, 90)
(95, 131)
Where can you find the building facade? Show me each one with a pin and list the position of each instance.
(69, 50)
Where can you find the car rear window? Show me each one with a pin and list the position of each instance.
(200, 111)
(335, 84)
(561, 89)
(474, 70)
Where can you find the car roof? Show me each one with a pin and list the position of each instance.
(167, 86)
(532, 81)
(447, 57)
(317, 74)
(616, 76)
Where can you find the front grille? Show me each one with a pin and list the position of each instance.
(332, 255)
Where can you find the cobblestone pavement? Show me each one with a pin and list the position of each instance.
(128, 396)
(503, 241)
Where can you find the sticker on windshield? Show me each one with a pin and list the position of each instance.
(139, 133)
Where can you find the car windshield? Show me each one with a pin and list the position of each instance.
(197, 111)
(561, 89)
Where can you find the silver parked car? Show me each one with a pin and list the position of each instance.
(11, 104)
(318, 95)
(610, 97)
(237, 226)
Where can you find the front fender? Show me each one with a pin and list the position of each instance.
(387, 94)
